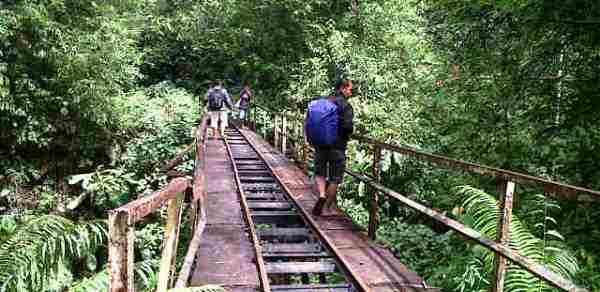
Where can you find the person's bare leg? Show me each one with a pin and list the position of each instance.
(224, 122)
(321, 183)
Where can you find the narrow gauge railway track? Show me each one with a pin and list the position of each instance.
(292, 255)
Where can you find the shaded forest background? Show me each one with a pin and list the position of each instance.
(96, 95)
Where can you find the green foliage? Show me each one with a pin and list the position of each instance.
(8, 226)
(61, 65)
(167, 115)
(33, 254)
(108, 186)
(509, 83)
(144, 271)
(149, 240)
(411, 242)
(549, 250)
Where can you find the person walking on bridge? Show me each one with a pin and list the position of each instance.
(218, 101)
(244, 102)
(328, 126)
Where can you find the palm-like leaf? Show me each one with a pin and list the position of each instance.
(100, 281)
(33, 254)
(484, 208)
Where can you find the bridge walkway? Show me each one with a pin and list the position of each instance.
(226, 255)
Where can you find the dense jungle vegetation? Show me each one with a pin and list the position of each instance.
(95, 96)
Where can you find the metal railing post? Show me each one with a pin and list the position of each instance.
(304, 156)
(120, 252)
(502, 235)
(264, 126)
(170, 250)
(275, 132)
(374, 211)
(284, 133)
(252, 118)
(297, 140)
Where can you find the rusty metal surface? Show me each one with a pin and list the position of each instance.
(530, 265)
(140, 208)
(199, 187)
(357, 266)
(378, 266)
(337, 222)
(502, 232)
(221, 210)
(549, 186)
(344, 239)
(305, 194)
(225, 257)
(502, 174)
(260, 265)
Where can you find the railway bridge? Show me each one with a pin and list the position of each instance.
(249, 204)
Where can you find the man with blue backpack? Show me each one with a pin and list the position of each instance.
(328, 127)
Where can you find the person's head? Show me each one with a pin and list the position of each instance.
(344, 87)
(218, 82)
(246, 84)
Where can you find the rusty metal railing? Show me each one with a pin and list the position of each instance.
(121, 225)
(281, 134)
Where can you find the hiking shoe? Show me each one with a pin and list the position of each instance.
(318, 209)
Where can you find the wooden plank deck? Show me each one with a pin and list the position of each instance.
(374, 264)
(226, 256)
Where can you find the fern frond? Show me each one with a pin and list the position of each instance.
(8, 225)
(100, 281)
(553, 254)
(34, 253)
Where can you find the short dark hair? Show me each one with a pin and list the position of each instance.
(343, 82)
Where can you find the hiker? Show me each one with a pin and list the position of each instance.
(328, 126)
(218, 98)
(244, 102)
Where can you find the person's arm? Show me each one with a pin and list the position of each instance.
(347, 124)
(228, 99)
(304, 128)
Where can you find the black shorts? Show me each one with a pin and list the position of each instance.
(330, 163)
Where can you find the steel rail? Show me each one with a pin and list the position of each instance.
(262, 271)
(357, 281)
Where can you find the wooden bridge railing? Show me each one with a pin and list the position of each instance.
(123, 219)
(287, 127)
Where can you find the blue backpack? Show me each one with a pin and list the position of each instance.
(322, 122)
